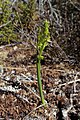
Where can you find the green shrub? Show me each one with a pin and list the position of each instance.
(14, 19)
(6, 21)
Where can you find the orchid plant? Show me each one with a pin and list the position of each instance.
(42, 42)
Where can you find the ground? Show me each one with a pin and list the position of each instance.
(19, 94)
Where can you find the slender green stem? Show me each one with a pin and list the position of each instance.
(39, 80)
(42, 41)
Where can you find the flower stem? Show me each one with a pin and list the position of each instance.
(39, 80)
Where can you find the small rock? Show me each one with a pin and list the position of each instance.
(15, 48)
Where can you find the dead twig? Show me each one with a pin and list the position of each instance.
(5, 24)
(78, 80)
(33, 110)
(74, 5)
(5, 89)
(23, 98)
(19, 68)
(32, 92)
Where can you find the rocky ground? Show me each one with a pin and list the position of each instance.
(19, 94)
